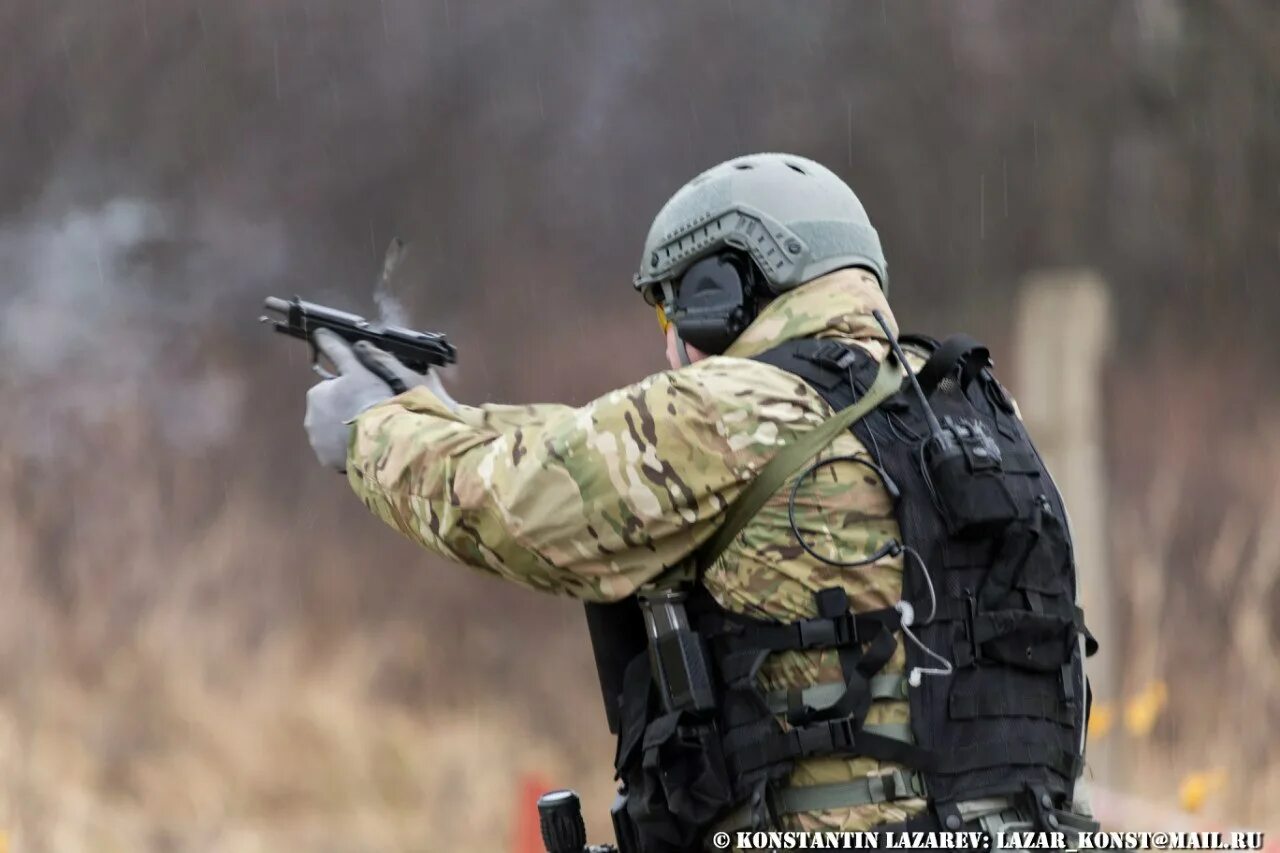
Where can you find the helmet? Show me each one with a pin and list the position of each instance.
(794, 217)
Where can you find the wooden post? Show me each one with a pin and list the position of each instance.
(1064, 331)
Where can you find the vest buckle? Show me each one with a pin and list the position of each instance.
(828, 632)
(827, 738)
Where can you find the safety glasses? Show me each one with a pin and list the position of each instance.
(663, 322)
(658, 295)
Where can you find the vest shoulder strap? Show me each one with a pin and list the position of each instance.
(792, 458)
(958, 355)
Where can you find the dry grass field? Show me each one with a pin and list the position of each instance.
(168, 683)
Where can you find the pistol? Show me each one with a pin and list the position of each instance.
(298, 318)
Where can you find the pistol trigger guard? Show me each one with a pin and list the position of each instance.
(319, 368)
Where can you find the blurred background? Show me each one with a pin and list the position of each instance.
(205, 641)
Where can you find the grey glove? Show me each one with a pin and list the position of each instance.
(400, 378)
(367, 376)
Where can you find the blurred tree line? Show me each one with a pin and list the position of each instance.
(525, 145)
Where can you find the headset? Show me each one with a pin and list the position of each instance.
(714, 301)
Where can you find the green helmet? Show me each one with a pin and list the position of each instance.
(795, 218)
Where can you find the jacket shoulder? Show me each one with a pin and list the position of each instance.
(745, 382)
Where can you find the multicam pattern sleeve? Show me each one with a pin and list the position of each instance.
(590, 502)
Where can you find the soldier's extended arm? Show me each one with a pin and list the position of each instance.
(590, 501)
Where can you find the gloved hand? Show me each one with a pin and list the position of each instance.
(400, 378)
(367, 376)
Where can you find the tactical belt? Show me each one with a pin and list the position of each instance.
(737, 633)
(1033, 809)
(886, 787)
(882, 788)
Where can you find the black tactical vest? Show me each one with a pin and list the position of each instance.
(987, 555)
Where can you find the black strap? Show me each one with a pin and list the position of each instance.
(949, 354)
(735, 633)
(858, 666)
(835, 737)
(824, 364)
(1090, 643)
(835, 626)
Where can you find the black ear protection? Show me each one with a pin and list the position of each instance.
(714, 301)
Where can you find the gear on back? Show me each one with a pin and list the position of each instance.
(795, 218)
(991, 575)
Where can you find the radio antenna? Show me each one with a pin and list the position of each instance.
(934, 427)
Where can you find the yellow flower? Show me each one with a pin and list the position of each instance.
(1141, 711)
(1198, 786)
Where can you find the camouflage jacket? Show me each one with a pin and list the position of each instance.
(594, 502)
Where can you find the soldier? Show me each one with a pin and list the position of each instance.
(859, 600)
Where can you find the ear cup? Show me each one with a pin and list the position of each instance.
(710, 306)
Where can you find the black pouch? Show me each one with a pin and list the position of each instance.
(682, 783)
(963, 465)
(1030, 564)
(1020, 638)
(1033, 556)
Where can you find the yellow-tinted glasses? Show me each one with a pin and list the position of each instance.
(656, 295)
